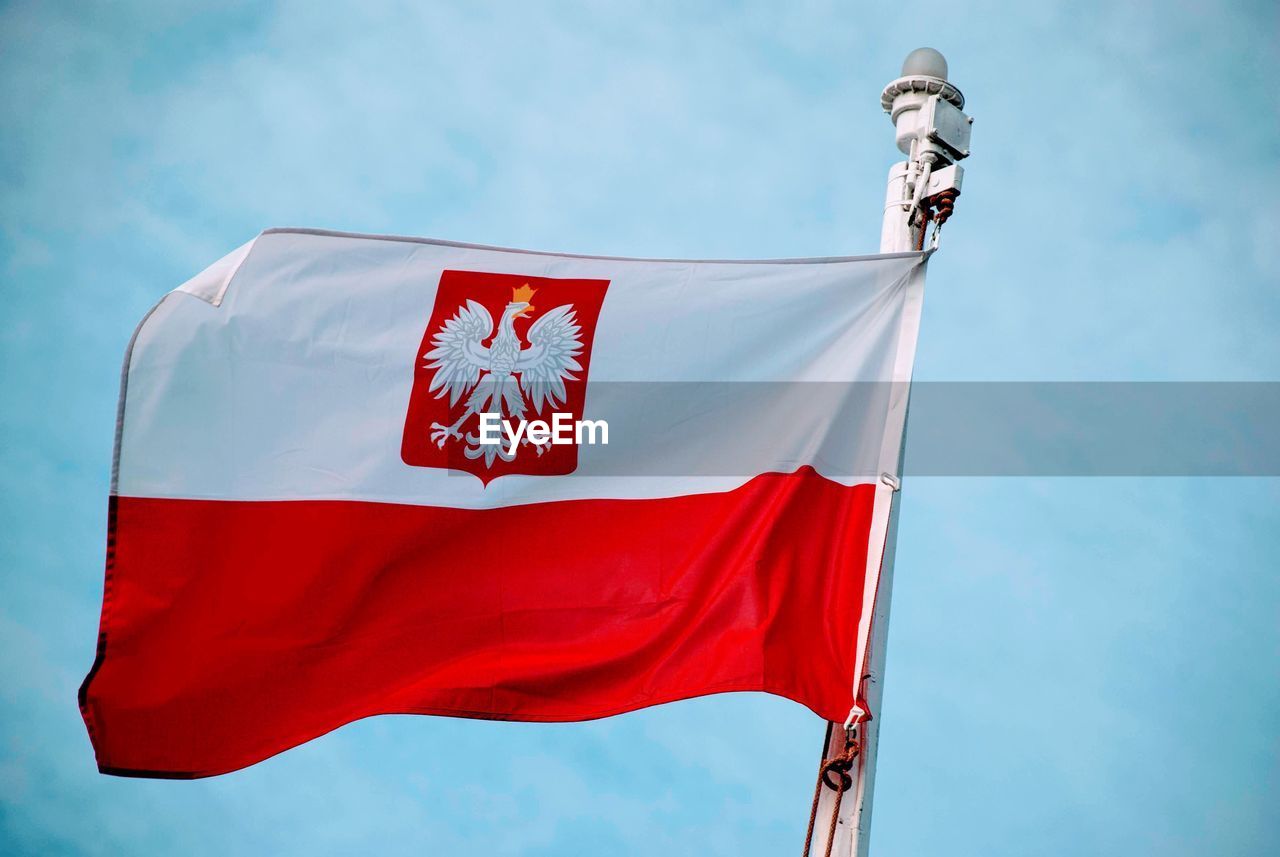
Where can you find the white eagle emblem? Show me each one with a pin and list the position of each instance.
(504, 374)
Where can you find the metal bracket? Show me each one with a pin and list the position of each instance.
(947, 178)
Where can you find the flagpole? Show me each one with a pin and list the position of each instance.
(933, 132)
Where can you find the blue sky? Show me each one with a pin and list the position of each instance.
(1076, 666)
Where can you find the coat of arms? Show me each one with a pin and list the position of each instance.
(528, 364)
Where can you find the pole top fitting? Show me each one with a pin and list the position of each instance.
(924, 72)
(925, 62)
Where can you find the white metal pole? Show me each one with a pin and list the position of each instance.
(931, 130)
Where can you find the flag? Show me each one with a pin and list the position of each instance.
(358, 475)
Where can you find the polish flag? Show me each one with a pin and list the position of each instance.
(307, 525)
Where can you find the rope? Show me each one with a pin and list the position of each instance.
(945, 204)
(924, 226)
(938, 209)
(942, 205)
(834, 774)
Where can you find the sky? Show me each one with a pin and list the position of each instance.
(1076, 665)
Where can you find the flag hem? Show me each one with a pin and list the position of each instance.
(799, 260)
(466, 714)
(890, 465)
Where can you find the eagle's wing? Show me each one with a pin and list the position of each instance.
(456, 353)
(554, 341)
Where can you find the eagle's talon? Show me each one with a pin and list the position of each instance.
(442, 433)
(540, 447)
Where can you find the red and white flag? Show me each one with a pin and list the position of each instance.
(334, 495)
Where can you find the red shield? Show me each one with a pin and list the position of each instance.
(478, 359)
